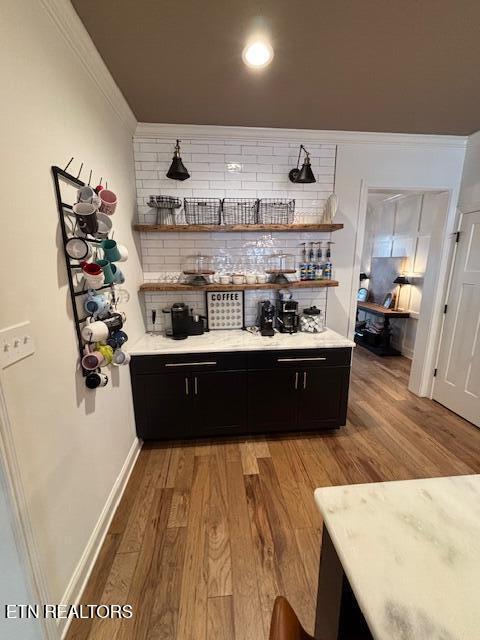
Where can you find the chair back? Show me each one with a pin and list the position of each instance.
(284, 624)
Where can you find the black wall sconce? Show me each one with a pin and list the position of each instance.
(305, 174)
(363, 276)
(177, 169)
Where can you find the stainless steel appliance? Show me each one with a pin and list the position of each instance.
(287, 312)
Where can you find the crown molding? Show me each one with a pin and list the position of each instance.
(72, 30)
(189, 131)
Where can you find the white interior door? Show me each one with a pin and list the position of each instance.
(457, 384)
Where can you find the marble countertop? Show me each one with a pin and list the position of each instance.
(237, 340)
(411, 551)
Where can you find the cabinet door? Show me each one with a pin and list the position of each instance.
(219, 402)
(323, 397)
(163, 406)
(272, 400)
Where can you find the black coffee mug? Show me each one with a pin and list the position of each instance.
(95, 379)
(114, 322)
(86, 215)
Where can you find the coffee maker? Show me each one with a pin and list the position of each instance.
(266, 318)
(287, 312)
(184, 324)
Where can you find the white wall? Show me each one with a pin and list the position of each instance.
(470, 190)
(71, 443)
(363, 160)
(402, 228)
(13, 581)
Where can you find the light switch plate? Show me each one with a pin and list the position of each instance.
(16, 343)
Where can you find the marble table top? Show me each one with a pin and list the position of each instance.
(237, 340)
(411, 551)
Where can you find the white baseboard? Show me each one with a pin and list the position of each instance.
(80, 576)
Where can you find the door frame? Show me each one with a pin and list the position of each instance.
(430, 321)
(20, 520)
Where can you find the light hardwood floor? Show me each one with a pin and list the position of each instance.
(208, 533)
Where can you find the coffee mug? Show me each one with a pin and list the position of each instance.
(86, 215)
(110, 250)
(78, 249)
(95, 331)
(94, 281)
(107, 353)
(113, 323)
(118, 277)
(91, 268)
(107, 269)
(95, 379)
(120, 358)
(97, 305)
(92, 359)
(123, 251)
(108, 202)
(117, 339)
(87, 194)
(104, 226)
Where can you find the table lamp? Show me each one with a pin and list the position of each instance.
(400, 280)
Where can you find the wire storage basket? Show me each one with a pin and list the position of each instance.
(239, 210)
(276, 211)
(202, 210)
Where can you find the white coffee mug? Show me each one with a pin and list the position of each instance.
(123, 251)
(120, 358)
(251, 279)
(96, 331)
(94, 281)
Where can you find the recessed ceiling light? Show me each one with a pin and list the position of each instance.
(257, 54)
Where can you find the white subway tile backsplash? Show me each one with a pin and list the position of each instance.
(228, 168)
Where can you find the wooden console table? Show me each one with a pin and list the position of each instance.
(383, 349)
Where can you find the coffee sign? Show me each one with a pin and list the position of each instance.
(225, 309)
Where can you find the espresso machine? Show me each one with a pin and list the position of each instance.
(184, 322)
(287, 312)
(266, 318)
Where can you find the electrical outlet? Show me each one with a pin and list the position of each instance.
(16, 343)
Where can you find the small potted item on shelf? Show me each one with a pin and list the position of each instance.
(166, 207)
(198, 269)
(279, 265)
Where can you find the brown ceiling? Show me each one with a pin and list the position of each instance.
(361, 65)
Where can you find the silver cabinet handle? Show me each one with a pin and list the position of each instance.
(296, 380)
(188, 364)
(186, 386)
(304, 380)
(196, 385)
(298, 359)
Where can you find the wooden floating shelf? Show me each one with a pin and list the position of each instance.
(301, 284)
(223, 228)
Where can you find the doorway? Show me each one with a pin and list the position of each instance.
(457, 379)
(403, 246)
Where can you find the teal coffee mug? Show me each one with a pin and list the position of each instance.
(110, 250)
(107, 269)
(118, 277)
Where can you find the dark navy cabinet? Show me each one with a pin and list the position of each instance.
(196, 395)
